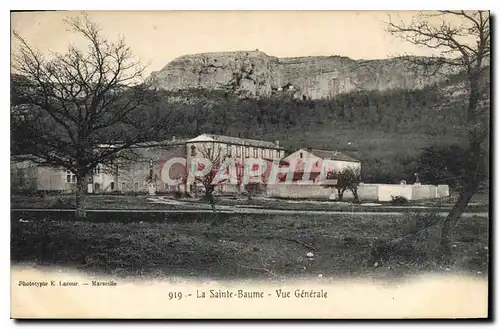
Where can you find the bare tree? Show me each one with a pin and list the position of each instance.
(347, 179)
(210, 180)
(83, 104)
(462, 39)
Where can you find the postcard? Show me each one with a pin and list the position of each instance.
(250, 164)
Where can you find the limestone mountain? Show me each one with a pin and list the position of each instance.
(256, 74)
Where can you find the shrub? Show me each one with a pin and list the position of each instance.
(399, 200)
(421, 220)
(62, 203)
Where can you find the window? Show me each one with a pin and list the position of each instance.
(209, 151)
(238, 151)
(193, 150)
(136, 186)
(301, 155)
(70, 177)
(247, 151)
(123, 186)
(255, 152)
(112, 186)
(228, 150)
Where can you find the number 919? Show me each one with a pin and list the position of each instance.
(174, 295)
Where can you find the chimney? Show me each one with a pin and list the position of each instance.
(309, 149)
(277, 143)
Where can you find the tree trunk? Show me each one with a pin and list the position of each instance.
(209, 196)
(455, 213)
(355, 194)
(341, 194)
(81, 190)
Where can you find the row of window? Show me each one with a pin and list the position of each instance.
(70, 177)
(248, 151)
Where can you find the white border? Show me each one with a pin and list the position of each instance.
(194, 5)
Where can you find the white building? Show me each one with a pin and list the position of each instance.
(316, 160)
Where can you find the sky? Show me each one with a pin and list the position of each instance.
(157, 37)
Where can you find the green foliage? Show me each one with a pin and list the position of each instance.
(138, 244)
(450, 164)
(347, 179)
(385, 130)
(199, 111)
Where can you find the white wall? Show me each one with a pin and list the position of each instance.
(366, 192)
(298, 191)
(387, 191)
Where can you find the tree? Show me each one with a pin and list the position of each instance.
(83, 104)
(446, 165)
(462, 39)
(211, 179)
(347, 179)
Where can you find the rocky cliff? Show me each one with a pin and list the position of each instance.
(256, 74)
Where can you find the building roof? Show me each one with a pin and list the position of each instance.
(241, 141)
(332, 155)
(200, 138)
(161, 143)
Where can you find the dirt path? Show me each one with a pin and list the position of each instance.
(232, 210)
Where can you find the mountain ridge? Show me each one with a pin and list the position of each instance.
(256, 74)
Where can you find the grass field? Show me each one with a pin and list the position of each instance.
(142, 202)
(238, 246)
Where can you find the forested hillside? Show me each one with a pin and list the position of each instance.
(386, 130)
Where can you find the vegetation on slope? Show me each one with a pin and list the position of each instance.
(388, 131)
